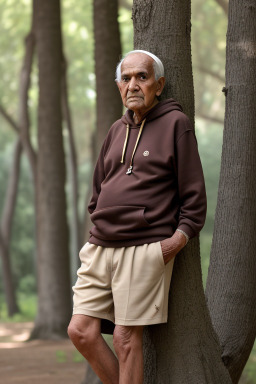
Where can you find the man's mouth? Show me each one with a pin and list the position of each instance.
(134, 97)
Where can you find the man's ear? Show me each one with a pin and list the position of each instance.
(160, 85)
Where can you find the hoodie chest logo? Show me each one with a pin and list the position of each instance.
(145, 153)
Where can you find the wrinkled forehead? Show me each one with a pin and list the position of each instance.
(137, 62)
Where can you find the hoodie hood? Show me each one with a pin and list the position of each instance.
(158, 110)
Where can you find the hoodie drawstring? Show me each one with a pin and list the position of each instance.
(129, 171)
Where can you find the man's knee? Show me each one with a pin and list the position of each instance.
(127, 340)
(83, 331)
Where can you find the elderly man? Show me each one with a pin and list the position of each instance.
(148, 200)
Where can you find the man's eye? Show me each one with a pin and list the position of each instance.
(143, 77)
(125, 79)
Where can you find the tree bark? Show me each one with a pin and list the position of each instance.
(54, 296)
(185, 350)
(231, 285)
(107, 54)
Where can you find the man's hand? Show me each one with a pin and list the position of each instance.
(171, 246)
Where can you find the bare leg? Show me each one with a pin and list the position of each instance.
(84, 332)
(128, 345)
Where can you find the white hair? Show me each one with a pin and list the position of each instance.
(157, 64)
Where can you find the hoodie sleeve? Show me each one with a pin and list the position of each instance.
(191, 186)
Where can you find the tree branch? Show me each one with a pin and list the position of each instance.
(224, 5)
(210, 118)
(23, 101)
(9, 119)
(125, 4)
(211, 73)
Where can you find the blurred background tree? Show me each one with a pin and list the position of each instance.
(209, 25)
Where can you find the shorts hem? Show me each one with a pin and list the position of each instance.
(135, 322)
(89, 312)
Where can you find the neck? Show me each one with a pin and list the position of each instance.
(138, 117)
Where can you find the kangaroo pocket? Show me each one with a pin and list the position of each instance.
(119, 222)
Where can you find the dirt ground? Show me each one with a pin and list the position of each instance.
(37, 362)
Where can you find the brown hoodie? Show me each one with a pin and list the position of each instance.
(165, 190)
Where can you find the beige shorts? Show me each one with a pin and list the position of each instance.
(128, 286)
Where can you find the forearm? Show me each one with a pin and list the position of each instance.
(173, 245)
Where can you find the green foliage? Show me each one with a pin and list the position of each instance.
(27, 285)
(27, 305)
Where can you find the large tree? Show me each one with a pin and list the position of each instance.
(231, 284)
(186, 349)
(54, 296)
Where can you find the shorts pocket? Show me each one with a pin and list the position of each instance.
(156, 250)
(160, 254)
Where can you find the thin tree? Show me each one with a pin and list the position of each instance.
(54, 296)
(23, 142)
(72, 161)
(6, 229)
(108, 103)
(185, 350)
(231, 284)
(107, 54)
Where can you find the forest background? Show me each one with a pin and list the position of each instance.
(209, 25)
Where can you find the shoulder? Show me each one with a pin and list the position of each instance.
(116, 126)
(179, 117)
(176, 123)
(111, 134)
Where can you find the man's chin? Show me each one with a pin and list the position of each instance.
(134, 103)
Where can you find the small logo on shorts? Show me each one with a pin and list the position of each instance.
(157, 308)
(145, 153)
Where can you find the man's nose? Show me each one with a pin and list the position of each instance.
(133, 85)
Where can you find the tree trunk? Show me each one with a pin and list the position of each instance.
(185, 350)
(107, 54)
(23, 113)
(22, 129)
(72, 161)
(108, 103)
(5, 231)
(231, 285)
(54, 296)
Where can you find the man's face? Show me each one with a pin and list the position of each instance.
(138, 87)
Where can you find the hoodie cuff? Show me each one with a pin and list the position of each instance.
(187, 229)
(184, 233)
